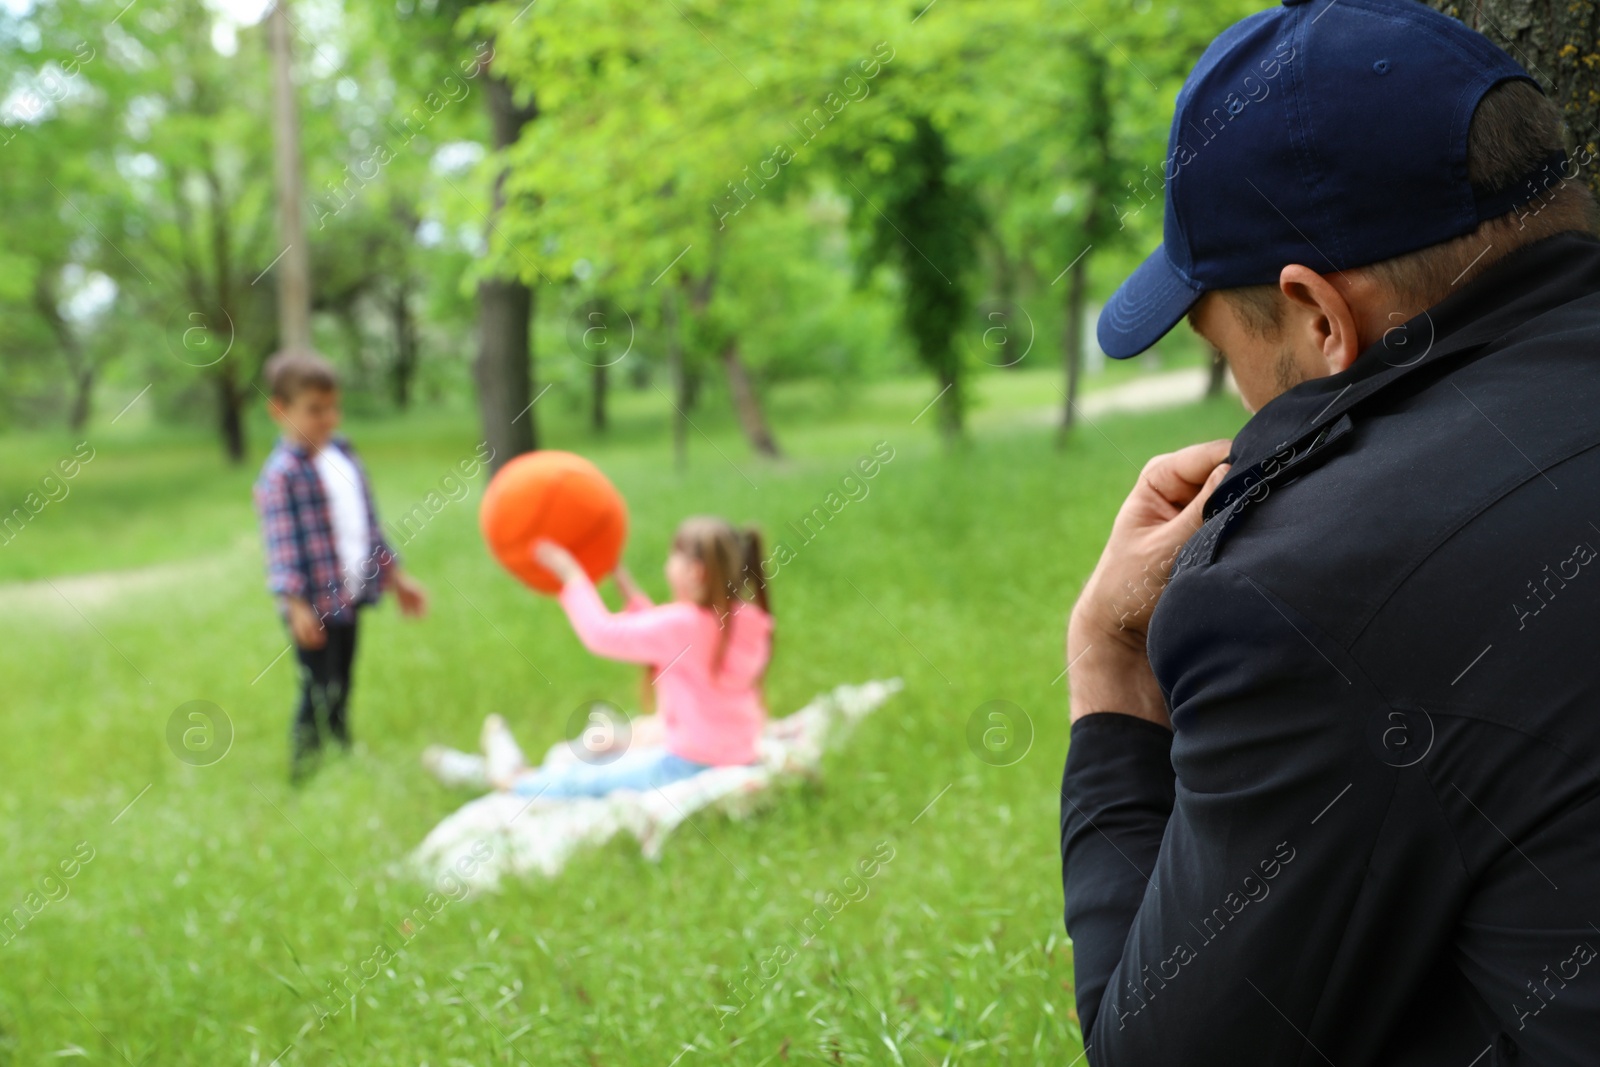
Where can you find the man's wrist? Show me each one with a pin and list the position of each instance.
(1110, 671)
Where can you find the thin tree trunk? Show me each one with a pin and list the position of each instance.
(503, 370)
(82, 399)
(228, 394)
(1218, 375)
(230, 405)
(80, 369)
(678, 380)
(1072, 345)
(950, 403)
(752, 419)
(405, 344)
(1098, 107)
(597, 407)
(504, 366)
(294, 268)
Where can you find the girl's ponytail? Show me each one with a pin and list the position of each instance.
(753, 558)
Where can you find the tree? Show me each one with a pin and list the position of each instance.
(919, 193)
(1559, 44)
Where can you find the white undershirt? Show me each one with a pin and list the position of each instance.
(347, 509)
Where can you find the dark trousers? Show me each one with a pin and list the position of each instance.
(324, 692)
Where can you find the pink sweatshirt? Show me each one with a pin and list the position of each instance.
(713, 718)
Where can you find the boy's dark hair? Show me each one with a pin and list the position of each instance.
(294, 371)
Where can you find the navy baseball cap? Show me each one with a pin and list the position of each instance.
(1331, 133)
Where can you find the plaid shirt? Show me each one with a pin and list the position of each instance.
(301, 558)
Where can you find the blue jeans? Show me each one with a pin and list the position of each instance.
(637, 769)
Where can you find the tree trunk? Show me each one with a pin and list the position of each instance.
(1554, 42)
(1219, 375)
(503, 369)
(1072, 344)
(230, 411)
(405, 344)
(951, 402)
(82, 397)
(1097, 107)
(747, 404)
(597, 407)
(677, 379)
(80, 368)
(294, 266)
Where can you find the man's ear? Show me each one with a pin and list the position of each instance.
(1323, 317)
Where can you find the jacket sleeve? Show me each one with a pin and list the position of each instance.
(1237, 904)
(285, 562)
(656, 635)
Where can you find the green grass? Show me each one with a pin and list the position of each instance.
(221, 899)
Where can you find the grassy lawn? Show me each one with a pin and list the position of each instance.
(217, 900)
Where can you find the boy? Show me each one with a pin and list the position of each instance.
(326, 557)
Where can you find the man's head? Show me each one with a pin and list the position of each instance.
(304, 397)
(1375, 157)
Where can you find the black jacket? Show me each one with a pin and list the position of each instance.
(1373, 835)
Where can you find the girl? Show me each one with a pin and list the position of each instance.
(707, 652)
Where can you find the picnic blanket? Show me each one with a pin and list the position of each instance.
(539, 837)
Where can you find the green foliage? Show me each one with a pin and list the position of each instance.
(703, 150)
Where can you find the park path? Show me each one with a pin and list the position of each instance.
(1152, 392)
(68, 596)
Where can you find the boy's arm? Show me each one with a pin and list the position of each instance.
(285, 565)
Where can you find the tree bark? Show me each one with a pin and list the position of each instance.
(1072, 344)
(752, 419)
(1218, 376)
(503, 369)
(229, 396)
(405, 344)
(80, 368)
(294, 267)
(1556, 43)
(82, 400)
(678, 380)
(230, 413)
(1097, 107)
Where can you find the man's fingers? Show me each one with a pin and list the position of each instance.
(1191, 514)
(1178, 476)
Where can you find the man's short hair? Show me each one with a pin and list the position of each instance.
(295, 371)
(1514, 128)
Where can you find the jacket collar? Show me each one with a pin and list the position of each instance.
(1524, 284)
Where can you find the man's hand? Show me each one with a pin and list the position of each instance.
(304, 626)
(1109, 668)
(557, 560)
(413, 598)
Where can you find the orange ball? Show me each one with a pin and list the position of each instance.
(555, 495)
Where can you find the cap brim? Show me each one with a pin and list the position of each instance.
(1145, 307)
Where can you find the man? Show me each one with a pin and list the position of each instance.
(1337, 798)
